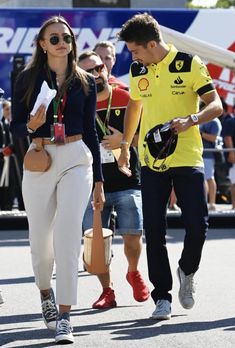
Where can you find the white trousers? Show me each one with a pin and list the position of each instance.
(55, 202)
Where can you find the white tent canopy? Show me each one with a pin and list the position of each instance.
(206, 51)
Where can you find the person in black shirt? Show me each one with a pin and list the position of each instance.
(122, 193)
(107, 52)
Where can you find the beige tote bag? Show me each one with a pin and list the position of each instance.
(97, 253)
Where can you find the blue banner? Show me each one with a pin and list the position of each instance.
(18, 28)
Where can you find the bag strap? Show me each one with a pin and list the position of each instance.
(98, 248)
(39, 143)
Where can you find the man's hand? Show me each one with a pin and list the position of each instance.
(124, 161)
(181, 124)
(112, 141)
(38, 119)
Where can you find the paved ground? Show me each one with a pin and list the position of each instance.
(211, 323)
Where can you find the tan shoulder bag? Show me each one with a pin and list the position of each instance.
(37, 159)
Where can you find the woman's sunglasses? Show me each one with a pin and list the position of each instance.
(97, 68)
(54, 40)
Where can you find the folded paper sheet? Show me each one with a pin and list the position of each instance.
(44, 97)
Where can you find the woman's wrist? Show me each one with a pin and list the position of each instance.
(30, 129)
(99, 183)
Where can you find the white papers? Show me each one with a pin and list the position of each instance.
(44, 97)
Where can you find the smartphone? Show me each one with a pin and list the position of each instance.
(125, 171)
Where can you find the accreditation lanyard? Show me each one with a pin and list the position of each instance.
(58, 103)
(58, 107)
(104, 125)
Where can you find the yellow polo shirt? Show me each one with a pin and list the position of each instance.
(168, 90)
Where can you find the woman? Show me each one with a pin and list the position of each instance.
(56, 200)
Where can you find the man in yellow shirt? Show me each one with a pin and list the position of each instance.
(165, 87)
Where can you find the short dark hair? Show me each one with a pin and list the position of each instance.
(141, 29)
(87, 54)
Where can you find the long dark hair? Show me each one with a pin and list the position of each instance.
(39, 60)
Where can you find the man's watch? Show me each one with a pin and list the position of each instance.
(194, 118)
(29, 130)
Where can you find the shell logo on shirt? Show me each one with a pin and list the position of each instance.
(143, 84)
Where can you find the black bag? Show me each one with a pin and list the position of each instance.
(160, 143)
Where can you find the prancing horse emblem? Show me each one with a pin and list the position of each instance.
(179, 64)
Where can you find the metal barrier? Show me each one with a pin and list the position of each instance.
(226, 149)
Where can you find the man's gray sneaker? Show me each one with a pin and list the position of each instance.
(162, 310)
(64, 330)
(187, 289)
(49, 310)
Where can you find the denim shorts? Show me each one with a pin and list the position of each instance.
(209, 168)
(128, 207)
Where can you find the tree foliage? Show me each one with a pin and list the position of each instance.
(220, 4)
(225, 3)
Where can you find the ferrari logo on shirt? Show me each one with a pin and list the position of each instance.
(179, 64)
(117, 112)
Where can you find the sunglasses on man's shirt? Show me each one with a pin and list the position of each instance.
(97, 68)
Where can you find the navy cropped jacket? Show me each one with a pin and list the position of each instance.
(79, 113)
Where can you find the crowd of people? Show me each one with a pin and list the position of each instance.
(134, 152)
(214, 160)
(216, 156)
(216, 135)
(10, 162)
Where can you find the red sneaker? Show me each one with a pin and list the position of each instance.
(140, 290)
(106, 299)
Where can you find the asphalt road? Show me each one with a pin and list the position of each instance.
(211, 323)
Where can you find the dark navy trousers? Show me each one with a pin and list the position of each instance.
(188, 183)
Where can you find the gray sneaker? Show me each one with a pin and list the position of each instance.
(162, 310)
(49, 310)
(187, 289)
(64, 330)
